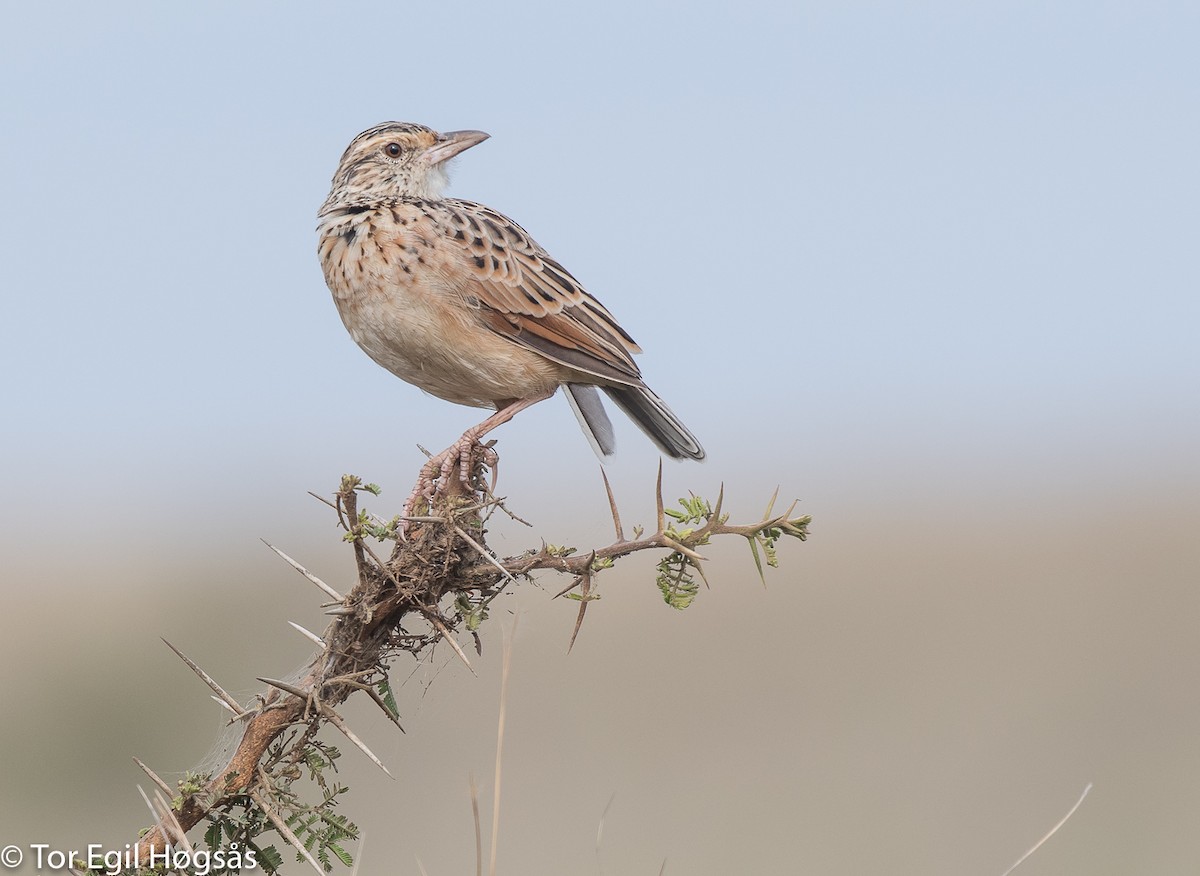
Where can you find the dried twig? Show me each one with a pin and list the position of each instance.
(1052, 831)
(478, 831)
(505, 666)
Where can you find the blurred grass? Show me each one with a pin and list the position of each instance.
(923, 688)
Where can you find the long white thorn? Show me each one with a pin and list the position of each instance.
(303, 571)
(308, 634)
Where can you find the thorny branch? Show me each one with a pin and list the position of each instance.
(444, 559)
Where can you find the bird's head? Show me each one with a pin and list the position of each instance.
(398, 159)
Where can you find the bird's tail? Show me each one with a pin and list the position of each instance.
(655, 419)
(589, 410)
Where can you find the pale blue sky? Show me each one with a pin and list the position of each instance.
(930, 266)
(974, 219)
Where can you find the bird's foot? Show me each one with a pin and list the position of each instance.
(469, 457)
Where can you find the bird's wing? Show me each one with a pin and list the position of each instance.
(525, 295)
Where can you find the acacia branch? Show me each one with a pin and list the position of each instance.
(444, 558)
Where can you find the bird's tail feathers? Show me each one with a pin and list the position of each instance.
(656, 419)
(593, 419)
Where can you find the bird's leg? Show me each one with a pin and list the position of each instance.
(506, 409)
(439, 467)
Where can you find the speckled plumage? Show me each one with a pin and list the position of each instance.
(460, 301)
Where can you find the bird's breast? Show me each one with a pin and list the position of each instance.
(405, 301)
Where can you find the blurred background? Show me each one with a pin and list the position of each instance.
(930, 268)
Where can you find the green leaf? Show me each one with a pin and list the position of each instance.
(268, 858)
(389, 699)
(679, 589)
(342, 854)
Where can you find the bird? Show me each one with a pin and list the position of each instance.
(459, 300)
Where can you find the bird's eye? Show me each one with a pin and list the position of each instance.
(393, 150)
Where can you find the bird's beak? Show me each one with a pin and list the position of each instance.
(452, 143)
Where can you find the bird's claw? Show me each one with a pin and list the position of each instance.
(437, 471)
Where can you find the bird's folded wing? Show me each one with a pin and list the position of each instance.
(527, 296)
